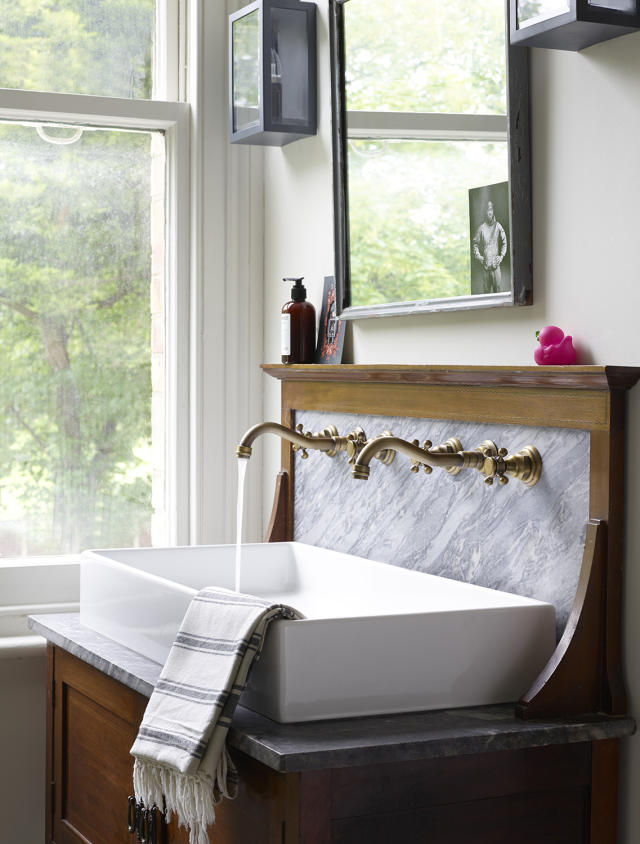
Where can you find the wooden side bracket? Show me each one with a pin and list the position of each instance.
(279, 529)
(573, 680)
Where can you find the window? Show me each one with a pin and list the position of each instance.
(426, 117)
(79, 46)
(93, 239)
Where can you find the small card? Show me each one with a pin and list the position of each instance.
(331, 329)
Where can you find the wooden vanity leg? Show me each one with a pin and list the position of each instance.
(604, 791)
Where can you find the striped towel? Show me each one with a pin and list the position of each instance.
(180, 751)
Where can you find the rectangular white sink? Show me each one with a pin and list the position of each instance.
(375, 639)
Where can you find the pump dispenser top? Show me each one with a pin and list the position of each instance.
(298, 291)
(298, 325)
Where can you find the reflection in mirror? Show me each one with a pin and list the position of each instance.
(430, 212)
(534, 11)
(246, 72)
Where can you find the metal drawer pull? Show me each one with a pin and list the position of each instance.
(151, 826)
(131, 814)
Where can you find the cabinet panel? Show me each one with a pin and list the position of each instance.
(98, 769)
(94, 726)
(552, 818)
(404, 786)
(256, 816)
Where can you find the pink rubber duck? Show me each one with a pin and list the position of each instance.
(554, 349)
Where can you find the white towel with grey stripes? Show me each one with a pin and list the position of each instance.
(180, 751)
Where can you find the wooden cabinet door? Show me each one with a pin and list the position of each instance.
(93, 723)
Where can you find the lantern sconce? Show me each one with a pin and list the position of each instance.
(570, 24)
(272, 72)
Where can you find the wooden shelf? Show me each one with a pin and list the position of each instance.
(554, 377)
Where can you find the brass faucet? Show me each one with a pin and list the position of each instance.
(487, 458)
(328, 441)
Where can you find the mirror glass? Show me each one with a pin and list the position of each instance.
(246, 71)
(423, 157)
(535, 11)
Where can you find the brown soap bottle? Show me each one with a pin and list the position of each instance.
(298, 326)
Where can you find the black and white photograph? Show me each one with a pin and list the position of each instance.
(490, 239)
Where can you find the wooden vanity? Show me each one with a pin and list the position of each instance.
(405, 777)
(541, 769)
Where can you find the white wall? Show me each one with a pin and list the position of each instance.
(586, 184)
(22, 739)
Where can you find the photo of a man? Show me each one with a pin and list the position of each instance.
(490, 264)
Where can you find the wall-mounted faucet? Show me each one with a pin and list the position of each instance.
(487, 458)
(491, 461)
(328, 441)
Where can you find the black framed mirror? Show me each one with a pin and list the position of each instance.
(431, 157)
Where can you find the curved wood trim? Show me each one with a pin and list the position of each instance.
(572, 680)
(278, 528)
(550, 377)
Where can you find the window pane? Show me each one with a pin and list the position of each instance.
(411, 220)
(81, 260)
(533, 11)
(629, 6)
(431, 57)
(78, 46)
(246, 71)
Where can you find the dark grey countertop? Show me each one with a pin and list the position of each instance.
(348, 741)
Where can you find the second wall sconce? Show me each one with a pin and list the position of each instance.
(570, 24)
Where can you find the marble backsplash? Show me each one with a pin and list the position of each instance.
(514, 538)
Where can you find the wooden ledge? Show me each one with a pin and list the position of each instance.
(603, 378)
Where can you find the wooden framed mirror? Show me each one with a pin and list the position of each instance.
(431, 158)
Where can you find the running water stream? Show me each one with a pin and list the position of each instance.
(242, 472)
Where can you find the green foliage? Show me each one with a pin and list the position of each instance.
(430, 57)
(77, 46)
(75, 393)
(528, 9)
(75, 338)
(409, 216)
(246, 71)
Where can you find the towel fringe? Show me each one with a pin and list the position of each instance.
(190, 797)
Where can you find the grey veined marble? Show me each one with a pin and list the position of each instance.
(347, 741)
(513, 538)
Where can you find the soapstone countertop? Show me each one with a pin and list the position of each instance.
(349, 741)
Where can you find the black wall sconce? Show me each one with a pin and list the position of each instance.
(272, 72)
(571, 24)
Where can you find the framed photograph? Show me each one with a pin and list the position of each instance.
(490, 239)
(330, 329)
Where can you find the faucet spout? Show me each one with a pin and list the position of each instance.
(319, 442)
(449, 459)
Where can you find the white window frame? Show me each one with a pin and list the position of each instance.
(214, 264)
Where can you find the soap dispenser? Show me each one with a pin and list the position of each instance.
(298, 326)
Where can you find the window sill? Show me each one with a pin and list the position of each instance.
(34, 585)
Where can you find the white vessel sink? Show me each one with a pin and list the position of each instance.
(375, 639)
